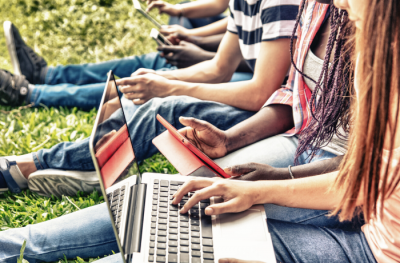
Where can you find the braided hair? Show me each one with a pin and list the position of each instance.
(330, 100)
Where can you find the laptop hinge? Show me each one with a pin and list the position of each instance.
(138, 218)
(129, 221)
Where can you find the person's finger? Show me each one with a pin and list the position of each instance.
(139, 101)
(239, 170)
(169, 56)
(168, 49)
(252, 176)
(130, 95)
(230, 206)
(183, 43)
(189, 186)
(184, 131)
(167, 30)
(142, 71)
(130, 80)
(199, 195)
(135, 95)
(155, 4)
(131, 88)
(199, 125)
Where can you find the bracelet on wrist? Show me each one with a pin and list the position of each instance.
(290, 171)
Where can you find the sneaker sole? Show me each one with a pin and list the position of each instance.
(58, 182)
(7, 26)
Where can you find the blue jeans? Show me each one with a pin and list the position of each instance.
(143, 127)
(86, 233)
(82, 85)
(298, 235)
(191, 23)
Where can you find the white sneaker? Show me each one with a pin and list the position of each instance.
(59, 182)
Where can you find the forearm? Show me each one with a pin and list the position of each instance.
(210, 43)
(269, 121)
(204, 72)
(245, 95)
(314, 192)
(204, 8)
(311, 169)
(215, 28)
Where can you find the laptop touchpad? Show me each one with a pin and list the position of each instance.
(244, 236)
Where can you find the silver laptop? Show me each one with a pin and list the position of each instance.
(147, 226)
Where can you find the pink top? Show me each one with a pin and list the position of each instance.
(383, 234)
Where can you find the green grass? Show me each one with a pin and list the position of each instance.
(65, 32)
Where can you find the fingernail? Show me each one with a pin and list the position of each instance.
(209, 211)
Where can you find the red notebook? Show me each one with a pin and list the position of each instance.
(183, 155)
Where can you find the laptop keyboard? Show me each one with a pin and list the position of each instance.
(116, 200)
(175, 237)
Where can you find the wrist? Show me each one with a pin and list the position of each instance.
(176, 88)
(268, 192)
(179, 10)
(229, 142)
(282, 173)
(168, 74)
(261, 193)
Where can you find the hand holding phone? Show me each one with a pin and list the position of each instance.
(160, 39)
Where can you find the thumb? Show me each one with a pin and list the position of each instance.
(183, 43)
(194, 123)
(238, 170)
(166, 30)
(222, 208)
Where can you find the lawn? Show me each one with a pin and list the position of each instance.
(65, 32)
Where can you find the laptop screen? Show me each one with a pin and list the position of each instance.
(111, 143)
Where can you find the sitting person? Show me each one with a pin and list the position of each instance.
(274, 118)
(190, 18)
(43, 239)
(366, 189)
(82, 85)
(248, 95)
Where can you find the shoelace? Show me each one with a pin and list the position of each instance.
(35, 57)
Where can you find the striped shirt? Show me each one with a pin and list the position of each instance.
(296, 93)
(255, 21)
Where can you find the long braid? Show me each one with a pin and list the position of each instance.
(330, 100)
(293, 37)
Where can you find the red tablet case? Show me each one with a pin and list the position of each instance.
(182, 158)
(114, 156)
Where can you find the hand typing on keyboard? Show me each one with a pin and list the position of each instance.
(236, 196)
(176, 237)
